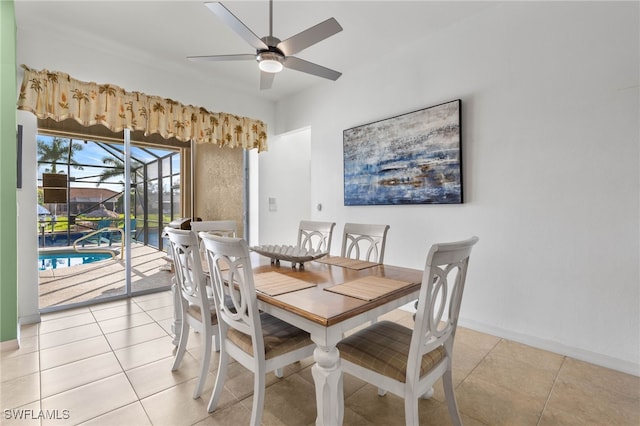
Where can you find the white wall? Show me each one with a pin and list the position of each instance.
(285, 178)
(551, 168)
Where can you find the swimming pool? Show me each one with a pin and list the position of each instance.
(65, 258)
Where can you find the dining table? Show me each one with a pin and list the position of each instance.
(327, 298)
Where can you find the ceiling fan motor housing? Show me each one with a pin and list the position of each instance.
(271, 59)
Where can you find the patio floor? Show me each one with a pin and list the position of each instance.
(93, 281)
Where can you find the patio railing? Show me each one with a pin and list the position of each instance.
(99, 232)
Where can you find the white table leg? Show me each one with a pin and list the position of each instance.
(327, 375)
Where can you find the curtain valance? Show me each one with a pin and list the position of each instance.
(58, 96)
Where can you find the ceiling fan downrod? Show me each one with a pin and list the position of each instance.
(270, 18)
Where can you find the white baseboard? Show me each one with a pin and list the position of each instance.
(556, 347)
(11, 345)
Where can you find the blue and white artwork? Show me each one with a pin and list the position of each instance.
(413, 158)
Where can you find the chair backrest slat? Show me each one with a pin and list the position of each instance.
(364, 241)
(225, 228)
(314, 235)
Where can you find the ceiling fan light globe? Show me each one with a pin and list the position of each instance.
(270, 65)
(270, 62)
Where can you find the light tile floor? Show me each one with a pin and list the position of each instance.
(110, 364)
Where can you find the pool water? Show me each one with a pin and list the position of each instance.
(65, 260)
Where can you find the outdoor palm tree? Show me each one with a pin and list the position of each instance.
(115, 169)
(58, 151)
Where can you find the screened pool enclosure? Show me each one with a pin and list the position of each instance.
(93, 173)
(82, 215)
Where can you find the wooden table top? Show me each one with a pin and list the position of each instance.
(325, 307)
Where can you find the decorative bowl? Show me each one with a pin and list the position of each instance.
(293, 254)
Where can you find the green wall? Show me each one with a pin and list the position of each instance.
(8, 155)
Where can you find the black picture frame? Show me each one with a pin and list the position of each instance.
(19, 156)
(413, 158)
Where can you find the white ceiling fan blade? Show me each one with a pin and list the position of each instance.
(236, 25)
(301, 65)
(219, 58)
(266, 80)
(309, 37)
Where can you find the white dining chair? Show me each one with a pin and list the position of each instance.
(313, 235)
(195, 305)
(225, 228)
(408, 362)
(258, 341)
(364, 241)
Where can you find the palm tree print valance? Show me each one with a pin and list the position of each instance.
(58, 96)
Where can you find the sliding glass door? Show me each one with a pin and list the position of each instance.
(86, 213)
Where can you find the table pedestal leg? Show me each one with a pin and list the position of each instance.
(327, 376)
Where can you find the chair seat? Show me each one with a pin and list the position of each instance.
(279, 337)
(384, 348)
(194, 311)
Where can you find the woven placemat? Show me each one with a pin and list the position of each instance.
(368, 288)
(346, 262)
(275, 283)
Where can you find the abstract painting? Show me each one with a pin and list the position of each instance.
(413, 158)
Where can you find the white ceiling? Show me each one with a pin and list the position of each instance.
(167, 32)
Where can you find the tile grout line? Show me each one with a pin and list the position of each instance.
(138, 396)
(555, 380)
(122, 371)
(40, 370)
(111, 350)
(471, 372)
(480, 362)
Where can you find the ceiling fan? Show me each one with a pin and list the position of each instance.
(272, 54)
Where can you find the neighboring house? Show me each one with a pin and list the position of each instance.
(84, 200)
